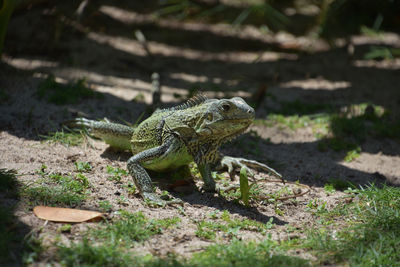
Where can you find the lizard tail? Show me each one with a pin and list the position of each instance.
(116, 135)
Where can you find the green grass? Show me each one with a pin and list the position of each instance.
(382, 52)
(132, 227)
(363, 232)
(372, 235)
(105, 206)
(57, 189)
(116, 174)
(343, 130)
(85, 253)
(108, 243)
(130, 188)
(352, 154)
(255, 12)
(52, 196)
(237, 253)
(66, 137)
(61, 94)
(339, 184)
(207, 229)
(66, 228)
(82, 166)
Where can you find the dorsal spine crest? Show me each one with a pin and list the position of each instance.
(191, 102)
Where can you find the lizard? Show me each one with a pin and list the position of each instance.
(174, 137)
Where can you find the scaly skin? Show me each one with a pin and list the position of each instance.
(175, 137)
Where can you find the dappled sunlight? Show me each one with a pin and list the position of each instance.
(125, 16)
(384, 168)
(317, 84)
(388, 64)
(128, 45)
(28, 63)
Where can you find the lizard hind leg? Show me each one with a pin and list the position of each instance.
(116, 135)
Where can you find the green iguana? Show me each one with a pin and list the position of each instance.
(174, 137)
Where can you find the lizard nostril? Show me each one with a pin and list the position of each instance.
(250, 111)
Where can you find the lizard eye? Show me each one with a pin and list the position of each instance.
(209, 116)
(226, 107)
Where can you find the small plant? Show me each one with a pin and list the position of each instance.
(57, 189)
(317, 206)
(78, 183)
(208, 229)
(128, 228)
(329, 188)
(42, 171)
(130, 188)
(43, 195)
(66, 228)
(116, 174)
(352, 154)
(244, 186)
(105, 206)
(122, 201)
(380, 52)
(372, 225)
(82, 166)
(139, 98)
(86, 253)
(66, 137)
(238, 253)
(339, 184)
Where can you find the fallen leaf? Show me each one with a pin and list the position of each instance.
(65, 215)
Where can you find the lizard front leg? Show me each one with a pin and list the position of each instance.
(209, 183)
(141, 177)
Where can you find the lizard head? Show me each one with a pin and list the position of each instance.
(225, 119)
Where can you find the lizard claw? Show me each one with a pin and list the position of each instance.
(231, 163)
(79, 123)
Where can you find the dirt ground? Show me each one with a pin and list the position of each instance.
(188, 56)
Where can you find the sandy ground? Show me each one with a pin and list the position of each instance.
(188, 56)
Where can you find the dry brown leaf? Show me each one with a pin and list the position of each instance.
(65, 215)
